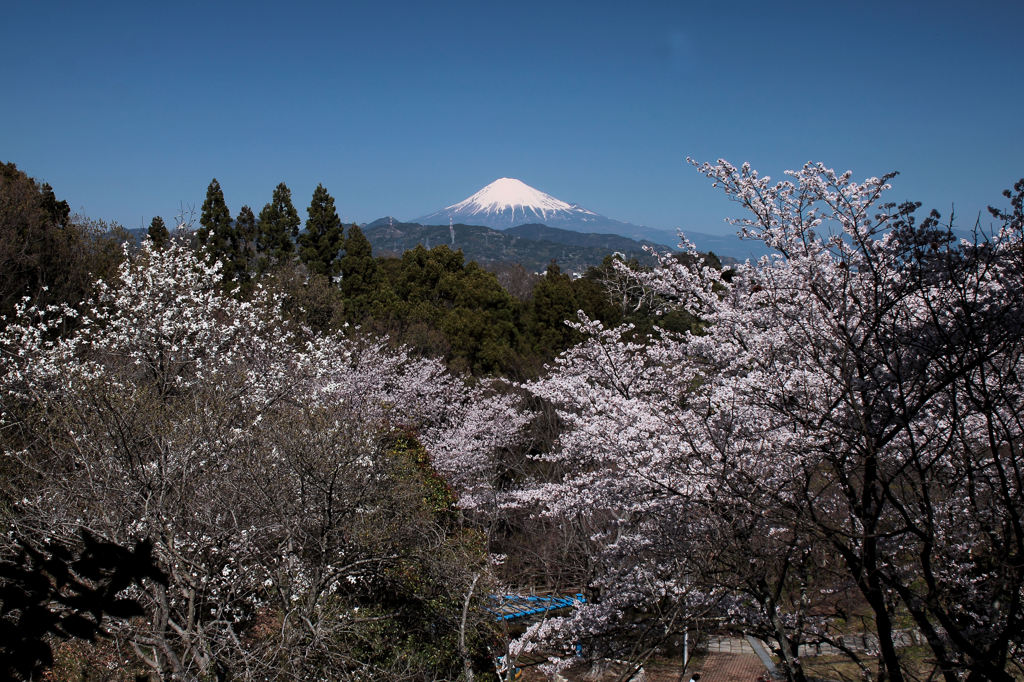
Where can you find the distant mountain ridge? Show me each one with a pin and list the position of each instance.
(533, 246)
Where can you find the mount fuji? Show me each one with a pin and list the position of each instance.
(508, 202)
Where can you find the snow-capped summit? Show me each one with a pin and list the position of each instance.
(508, 202)
(509, 193)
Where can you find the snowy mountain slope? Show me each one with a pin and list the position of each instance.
(508, 202)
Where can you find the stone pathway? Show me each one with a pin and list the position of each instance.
(728, 645)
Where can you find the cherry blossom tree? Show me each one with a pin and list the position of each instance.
(279, 475)
(853, 405)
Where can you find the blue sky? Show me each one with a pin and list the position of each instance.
(129, 109)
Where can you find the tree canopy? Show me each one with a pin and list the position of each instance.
(320, 243)
(323, 472)
(158, 233)
(46, 254)
(847, 421)
(277, 230)
(281, 477)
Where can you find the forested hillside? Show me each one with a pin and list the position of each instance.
(531, 246)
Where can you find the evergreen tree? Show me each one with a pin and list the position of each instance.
(59, 211)
(217, 233)
(359, 281)
(278, 228)
(158, 233)
(446, 306)
(481, 325)
(553, 303)
(246, 231)
(215, 220)
(320, 243)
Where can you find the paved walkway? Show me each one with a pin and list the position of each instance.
(730, 659)
(731, 668)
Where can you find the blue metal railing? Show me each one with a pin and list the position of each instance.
(512, 606)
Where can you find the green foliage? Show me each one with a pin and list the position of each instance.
(627, 301)
(592, 297)
(410, 619)
(608, 293)
(476, 317)
(553, 303)
(215, 220)
(158, 232)
(311, 300)
(437, 303)
(278, 229)
(45, 253)
(438, 496)
(322, 240)
(218, 235)
(58, 211)
(246, 233)
(364, 290)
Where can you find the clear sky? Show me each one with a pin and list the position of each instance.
(129, 109)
